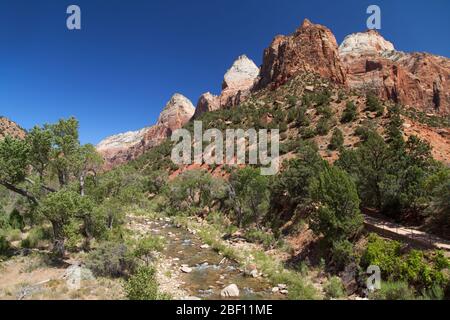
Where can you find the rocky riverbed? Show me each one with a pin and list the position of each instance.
(190, 269)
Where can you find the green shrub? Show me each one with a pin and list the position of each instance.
(307, 133)
(374, 105)
(334, 289)
(362, 132)
(4, 220)
(382, 253)
(349, 113)
(342, 253)
(146, 246)
(35, 236)
(393, 291)
(292, 100)
(111, 259)
(299, 290)
(283, 127)
(4, 245)
(412, 267)
(325, 111)
(434, 293)
(260, 236)
(14, 235)
(142, 285)
(337, 140)
(323, 126)
(16, 220)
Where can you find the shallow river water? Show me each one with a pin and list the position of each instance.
(211, 272)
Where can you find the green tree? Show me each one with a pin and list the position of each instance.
(438, 188)
(337, 217)
(194, 189)
(14, 161)
(289, 192)
(61, 208)
(249, 195)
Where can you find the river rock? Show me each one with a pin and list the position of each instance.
(204, 246)
(186, 269)
(231, 291)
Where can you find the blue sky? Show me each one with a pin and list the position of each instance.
(117, 73)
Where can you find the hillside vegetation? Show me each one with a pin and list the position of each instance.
(344, 152)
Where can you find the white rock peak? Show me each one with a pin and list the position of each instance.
(179, 107)
(176, 113)
(369, 42)
(242, 72)
(122, 140)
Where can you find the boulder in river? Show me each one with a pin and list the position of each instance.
(231, 291)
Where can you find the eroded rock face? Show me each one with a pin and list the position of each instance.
(10, 128)
(124, 147)
(237, 84)
(206, 103)
(312, 48)
(416, 79)
(238, 81)
(177, 112)
(365, 43)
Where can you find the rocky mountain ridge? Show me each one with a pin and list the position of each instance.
(124, 147)
(365, 62)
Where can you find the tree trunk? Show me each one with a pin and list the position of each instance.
(87, 233)
(82, 189)
(58, 240)
(22, 192)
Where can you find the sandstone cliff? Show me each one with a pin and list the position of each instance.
(237, 85)
(312, 48)
(124, 147)
(415, 79)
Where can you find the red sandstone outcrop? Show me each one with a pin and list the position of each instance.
(124, 147)
(312, 48)
(363, 61)
(415, 79)
(10, 128)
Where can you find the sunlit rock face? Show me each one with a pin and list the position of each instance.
(121, 148)
(415, 79)
(237, 84)
(311, 48)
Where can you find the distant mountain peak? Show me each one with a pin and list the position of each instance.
(369, 42)
(10, 128)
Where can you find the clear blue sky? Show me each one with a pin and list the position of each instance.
(117, 73)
